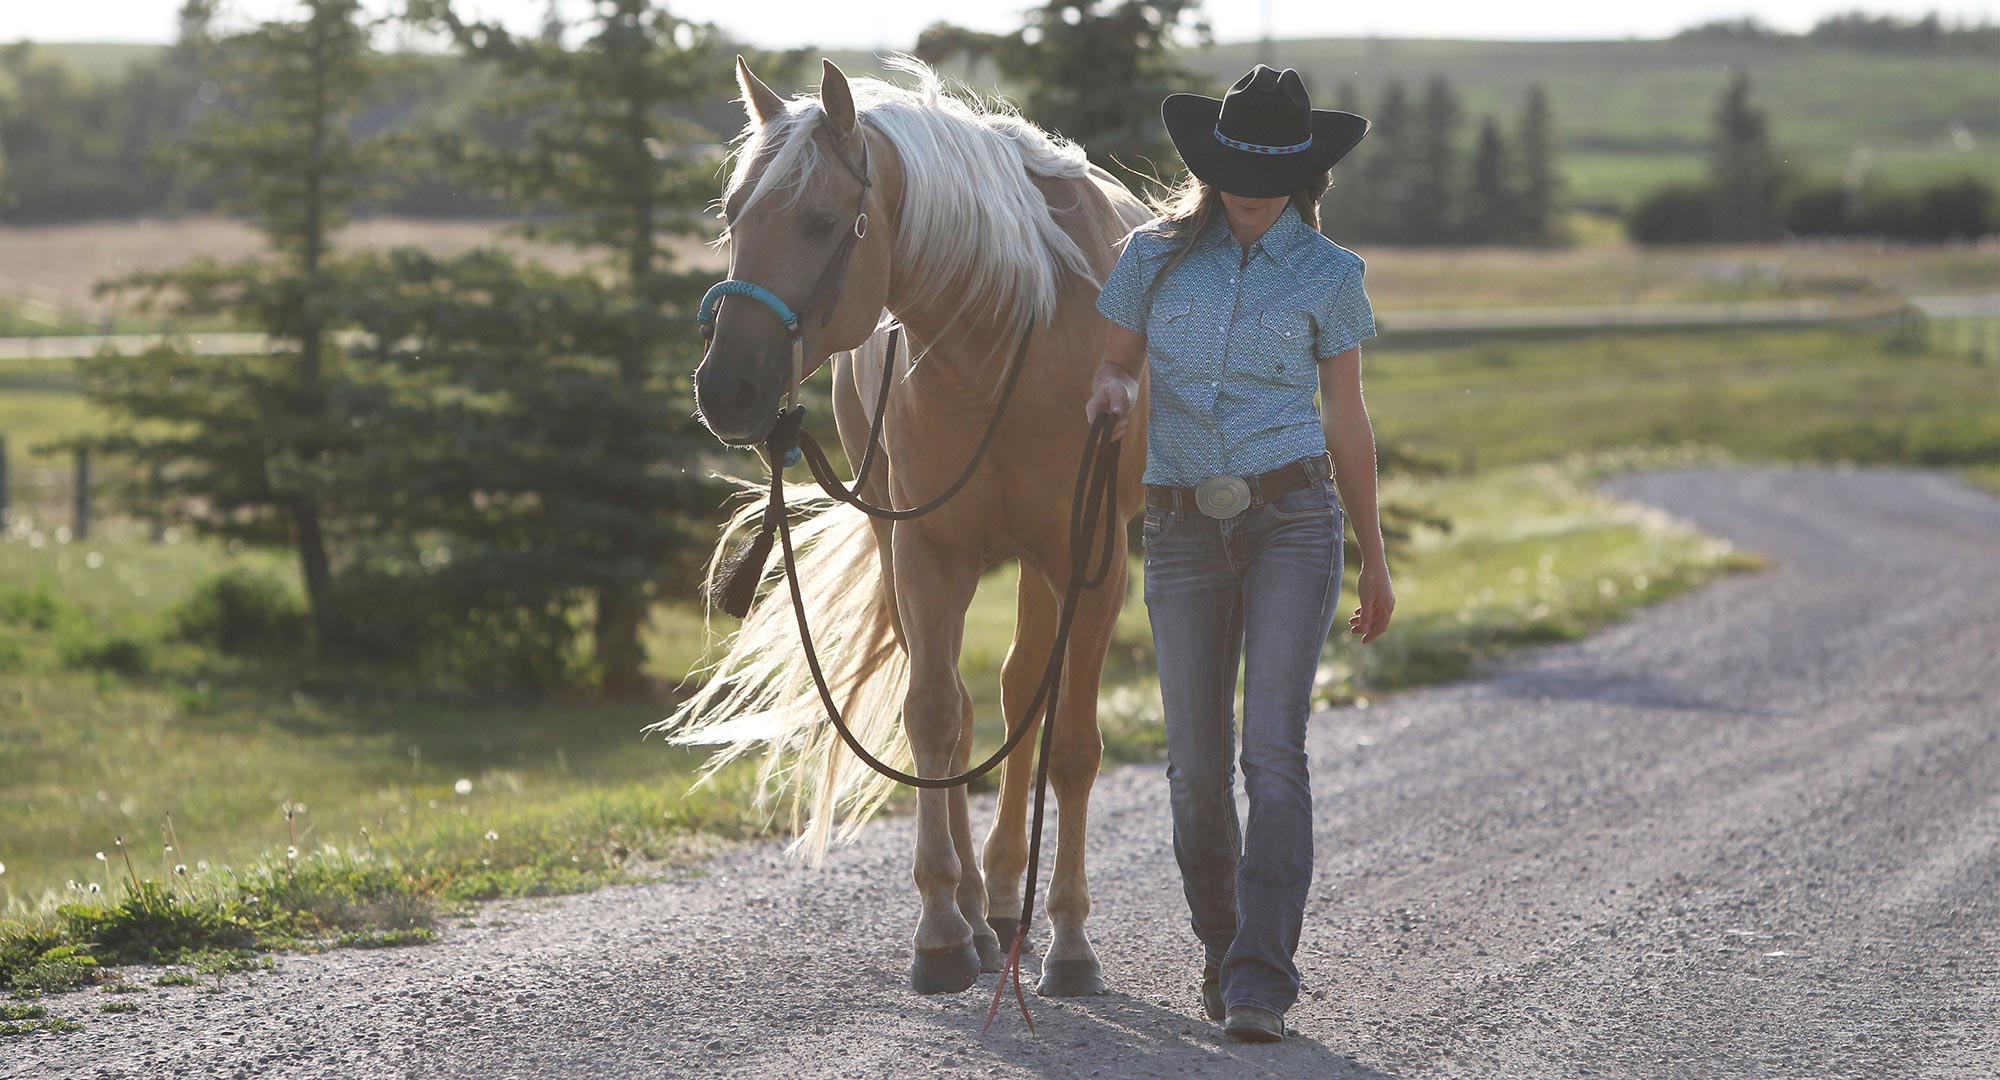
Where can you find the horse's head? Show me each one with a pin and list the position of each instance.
(810, 235)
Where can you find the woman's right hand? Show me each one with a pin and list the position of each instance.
(1111, 393)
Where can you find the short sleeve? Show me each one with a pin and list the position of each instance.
(1123, 299)
(1346, 318)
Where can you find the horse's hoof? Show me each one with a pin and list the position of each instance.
(948, 970)
(1071, 978)
(1005, 929)
(991, 954)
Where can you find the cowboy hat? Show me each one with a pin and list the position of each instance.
(1263, 138)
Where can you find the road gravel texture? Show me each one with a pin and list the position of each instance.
(1751, 831)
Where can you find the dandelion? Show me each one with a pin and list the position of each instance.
(491, 835)
(101, 858)
(202, 865)
(292, 852)
(94, 888)
(463, 787)
(181, 869)
(3, 868)
(119, 841)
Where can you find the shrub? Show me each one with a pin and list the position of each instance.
(63, 968)
(152, 925)
(240, 611)
(37, 607)
(121, 653)
(1677, 213)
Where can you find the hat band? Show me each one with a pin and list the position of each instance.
(1258, 148)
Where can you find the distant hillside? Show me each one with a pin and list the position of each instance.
(1628, 114)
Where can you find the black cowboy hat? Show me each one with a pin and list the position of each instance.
(1263, 139)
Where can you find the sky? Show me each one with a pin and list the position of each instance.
(893, 24)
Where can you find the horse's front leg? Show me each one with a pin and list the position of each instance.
(1006, 855)
(1071, 968)
(971, 883)
(934, 587)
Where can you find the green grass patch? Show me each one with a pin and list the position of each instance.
(1985, 476)
(1794, 395)
(16, 1020)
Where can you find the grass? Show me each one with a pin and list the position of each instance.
(1797, 395)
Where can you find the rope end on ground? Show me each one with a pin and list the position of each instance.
(1011, 967)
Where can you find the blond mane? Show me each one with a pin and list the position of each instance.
(973, 222)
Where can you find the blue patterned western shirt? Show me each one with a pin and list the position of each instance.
(1233, 349)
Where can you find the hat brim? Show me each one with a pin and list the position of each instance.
(1190, 122)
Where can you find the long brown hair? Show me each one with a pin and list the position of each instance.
(1187, 208)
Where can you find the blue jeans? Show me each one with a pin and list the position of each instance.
(1261, 586)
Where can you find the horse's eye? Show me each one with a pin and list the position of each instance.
(820, 226)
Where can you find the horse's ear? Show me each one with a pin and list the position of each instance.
(763, 103)
(835, 97)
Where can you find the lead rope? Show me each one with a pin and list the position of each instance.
(1096, 488)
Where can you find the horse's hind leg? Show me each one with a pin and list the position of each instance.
(971, 884)
(1006, 857)
(1071, 966)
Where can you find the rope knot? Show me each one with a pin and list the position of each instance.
(783, 442)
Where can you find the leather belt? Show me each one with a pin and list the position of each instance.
(1264, 486)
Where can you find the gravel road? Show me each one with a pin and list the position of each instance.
(1752, 831)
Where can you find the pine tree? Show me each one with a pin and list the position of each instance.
(1540, 185)
(1743, 172)
(1431, 215)
(1383, 173)
(1349, 204)
(1095, 76)
(1490, 200)
(256, 440)
(593, 390)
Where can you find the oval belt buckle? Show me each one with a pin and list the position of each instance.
(1222, 496)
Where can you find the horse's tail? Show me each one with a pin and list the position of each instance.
(761, 691)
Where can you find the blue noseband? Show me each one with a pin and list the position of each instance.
(706, 316)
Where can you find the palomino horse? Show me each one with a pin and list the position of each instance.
(978, 222)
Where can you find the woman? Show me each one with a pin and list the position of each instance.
(1241, 309)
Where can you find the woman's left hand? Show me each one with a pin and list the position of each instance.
(1378, 600)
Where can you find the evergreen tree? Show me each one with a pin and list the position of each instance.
(591, 394)
(253, 442)
(1540, 186)
(1431, 214)
(1490, 201)
(1094, 76)
(1381, 172)
(1349, 203)
(1743, 172)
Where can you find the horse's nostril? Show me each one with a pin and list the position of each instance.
(744, 394)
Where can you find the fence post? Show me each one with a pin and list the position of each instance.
(80, 528)
(158, 476)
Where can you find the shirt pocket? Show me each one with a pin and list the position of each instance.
(1170, 329)
(1283, 340)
